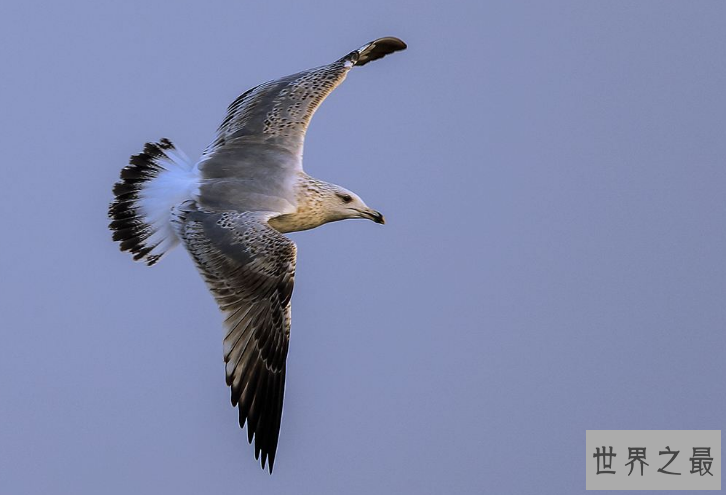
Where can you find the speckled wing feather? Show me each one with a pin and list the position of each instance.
(262, 135)
(249, 268)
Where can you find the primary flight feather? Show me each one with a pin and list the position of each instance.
(230, 211)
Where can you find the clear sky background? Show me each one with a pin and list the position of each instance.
(553, 175)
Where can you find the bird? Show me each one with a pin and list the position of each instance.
(230, 210)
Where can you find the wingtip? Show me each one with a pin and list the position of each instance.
(270, 462)
(376, 49)
(391, 42)
(266, 458)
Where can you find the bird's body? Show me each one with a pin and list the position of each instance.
(230, 210)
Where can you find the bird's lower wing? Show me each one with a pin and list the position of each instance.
(249, 268)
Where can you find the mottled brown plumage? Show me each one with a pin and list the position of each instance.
(230, 211)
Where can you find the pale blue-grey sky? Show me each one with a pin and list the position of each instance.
(554, 260)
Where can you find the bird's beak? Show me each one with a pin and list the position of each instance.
(373, 215)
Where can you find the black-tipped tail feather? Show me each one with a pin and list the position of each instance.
(154, 181)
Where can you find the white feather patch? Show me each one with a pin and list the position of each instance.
(178, 182)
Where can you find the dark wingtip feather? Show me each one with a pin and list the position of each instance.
(271, 461)
(377, 49)
(260, 410)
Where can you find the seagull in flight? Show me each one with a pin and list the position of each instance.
(230, 211)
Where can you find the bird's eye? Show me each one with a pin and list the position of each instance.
(345, 197)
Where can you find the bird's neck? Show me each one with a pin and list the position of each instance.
(310, 194)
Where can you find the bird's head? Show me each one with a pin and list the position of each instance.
(341, 204)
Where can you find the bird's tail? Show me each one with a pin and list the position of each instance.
(155, 181)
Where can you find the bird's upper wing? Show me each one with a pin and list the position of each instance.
(249, 268)
(261, 138)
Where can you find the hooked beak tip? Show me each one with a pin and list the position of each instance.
(370, 214)
(374, 215)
